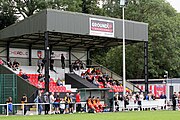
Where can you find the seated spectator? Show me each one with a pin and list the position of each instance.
(20, 73)
(162, 96)
(40, 77)
(9, 63)
(25, 77)
(1, 62)
(90, 105)
(62, 106)
(59, 82)
(16, 64)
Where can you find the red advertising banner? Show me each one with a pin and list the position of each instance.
(159, 89)
(100, 27)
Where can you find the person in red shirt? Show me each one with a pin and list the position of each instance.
(20, 72)
(78, 102)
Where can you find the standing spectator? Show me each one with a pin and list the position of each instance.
(56, 103)
(1, 62)
(52, 62)
(78, 101)
(71, 108)
(39, 64)
(16, 64)
(63, 61)
(116, 100)
(67, 102)
(39, 100)
(51, 98)
(141, 98)
(46, 100)
(174, 96)
(10, 106)
(24, 101)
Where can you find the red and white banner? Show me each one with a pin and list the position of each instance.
(101, 27)
(19, 53)
(157, 90)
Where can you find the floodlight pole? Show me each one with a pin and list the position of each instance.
(122, 4)
(124, 56)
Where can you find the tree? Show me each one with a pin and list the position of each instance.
(7, 16)
(163, 39)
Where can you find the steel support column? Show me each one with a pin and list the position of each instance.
(70, 64)
(30, 54)
(88, 56)
(7, 54)
(46, 48)
(146, 66)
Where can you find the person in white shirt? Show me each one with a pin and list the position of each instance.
(52, 99)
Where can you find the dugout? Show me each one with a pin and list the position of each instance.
(103, 93)
(60, 30)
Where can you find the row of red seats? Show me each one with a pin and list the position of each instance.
(33, 79)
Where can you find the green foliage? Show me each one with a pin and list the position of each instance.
(7, 16)
(164, 52)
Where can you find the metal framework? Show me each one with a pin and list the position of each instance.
(59, 30)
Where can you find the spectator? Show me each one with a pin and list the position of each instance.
(78, 102)
(46, 100)
(52, 62)
(56, 103)
(116, 99)
(20, 73)
(40, 64)
(71, 108)
(63, 61)
(174, 97)
(59, 82)
(40, 77)
(162, 96)
(52, 99)
(24, 101)
(10, 106)
(1, 62)
(62, 106)
(25, 77)
(141, 98)
(9, 63)
(39, 100)
(67, 102)
(16, 64)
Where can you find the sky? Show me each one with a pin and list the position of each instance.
(175, 4)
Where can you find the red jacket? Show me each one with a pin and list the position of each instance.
(78, 98)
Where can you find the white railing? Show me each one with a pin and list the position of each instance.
(145, 104)
(158, 104)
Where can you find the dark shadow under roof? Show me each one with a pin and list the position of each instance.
(68, 29)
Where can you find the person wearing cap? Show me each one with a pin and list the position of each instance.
(46, 100)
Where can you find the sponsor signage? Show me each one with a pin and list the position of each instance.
(19, 53)
(101, 27)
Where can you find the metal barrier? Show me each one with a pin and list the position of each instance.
(145, 104)
(157, 104)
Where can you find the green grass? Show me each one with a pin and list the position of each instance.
(145, 115)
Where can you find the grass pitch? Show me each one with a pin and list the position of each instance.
(134, 115)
